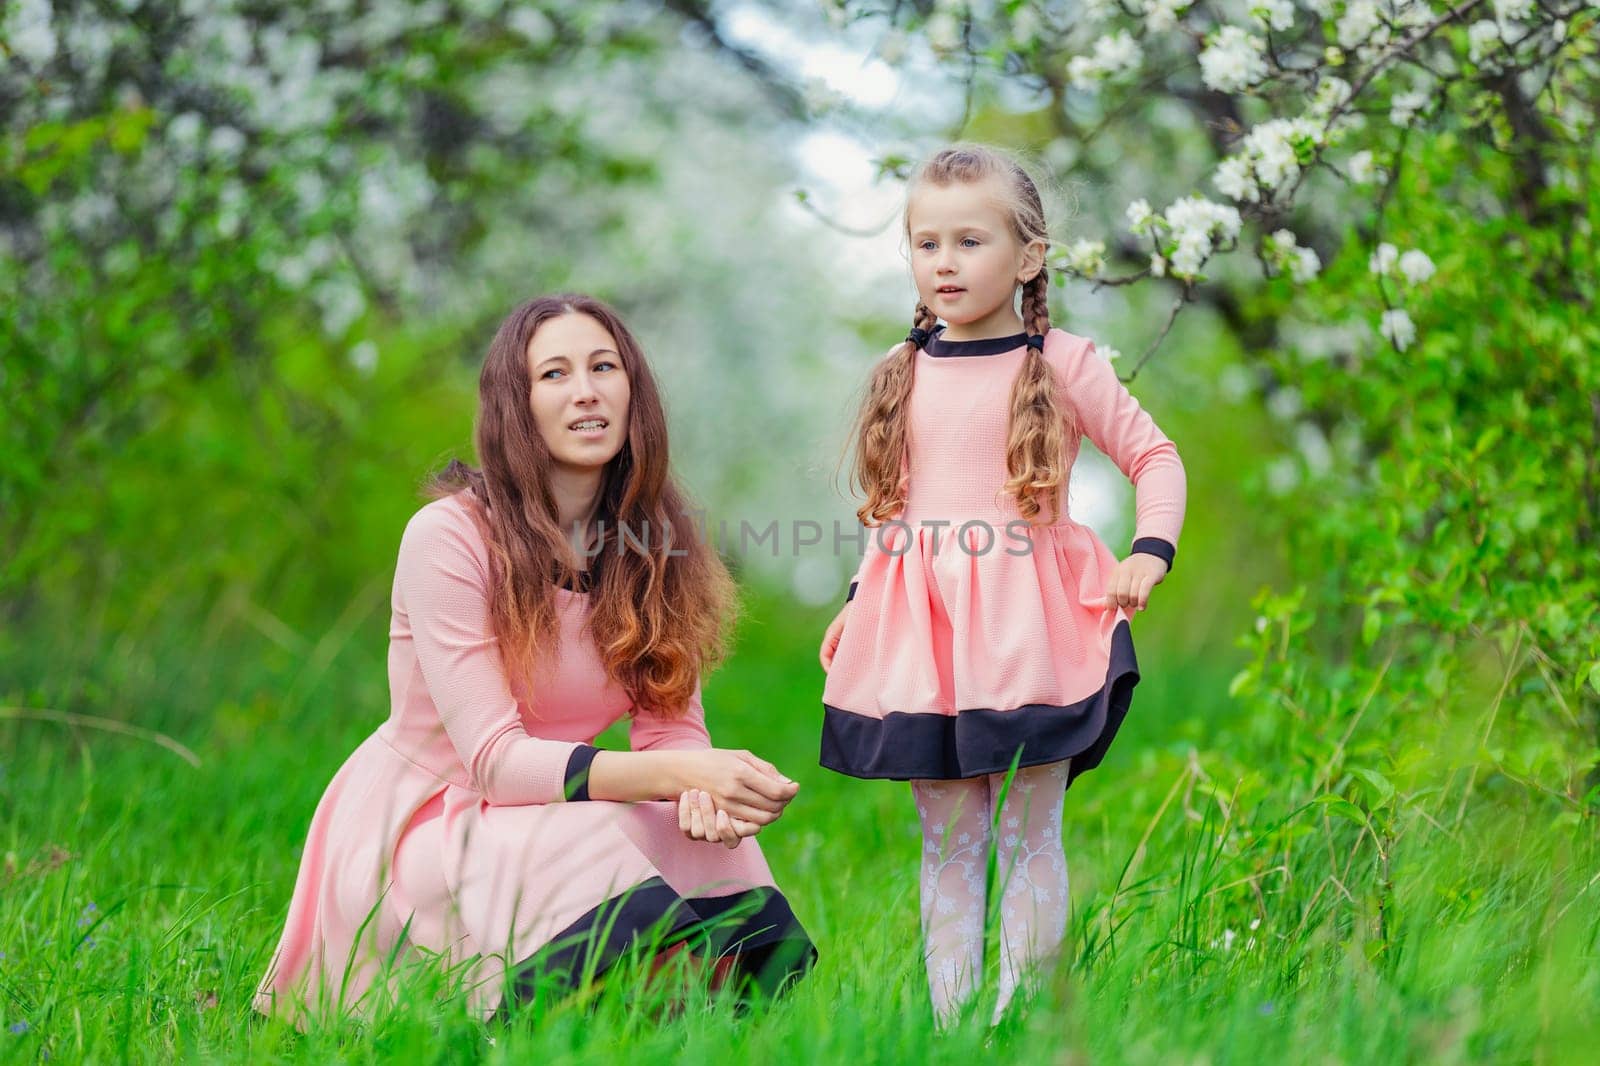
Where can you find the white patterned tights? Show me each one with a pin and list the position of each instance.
(959, 823)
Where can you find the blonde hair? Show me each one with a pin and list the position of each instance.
(1040, 425)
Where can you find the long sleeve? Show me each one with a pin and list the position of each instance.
(650, 732)
(443, 584)
(1112, 418)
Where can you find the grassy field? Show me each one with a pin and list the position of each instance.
(140, 896)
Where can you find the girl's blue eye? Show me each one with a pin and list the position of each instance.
(970, 242)
(926, 246)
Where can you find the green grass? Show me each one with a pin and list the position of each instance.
(1213, 921)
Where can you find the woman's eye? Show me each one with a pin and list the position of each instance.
(605, 364)
(549, 375)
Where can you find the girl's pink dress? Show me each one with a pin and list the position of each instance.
(461, 828)
(974, 641)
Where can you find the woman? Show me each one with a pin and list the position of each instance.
(536, 601)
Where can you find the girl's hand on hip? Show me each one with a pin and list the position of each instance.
(830, 639)
(1130, 583)
(746, 787)
(700, 819)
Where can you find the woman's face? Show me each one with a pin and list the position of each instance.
(580, 392)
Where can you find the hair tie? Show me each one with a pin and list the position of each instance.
(919, 336)
(1036, 340)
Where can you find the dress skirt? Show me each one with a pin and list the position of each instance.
(967, 652)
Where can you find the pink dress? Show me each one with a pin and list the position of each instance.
(461, 828)
(974, 640)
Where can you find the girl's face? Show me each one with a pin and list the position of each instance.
(966, 259)
(580, 392)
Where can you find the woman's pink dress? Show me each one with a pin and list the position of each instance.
(973, 640)
(462, 828)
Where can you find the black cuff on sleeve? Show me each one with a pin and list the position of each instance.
(852, 593)
(1161, 549)
(577, 778)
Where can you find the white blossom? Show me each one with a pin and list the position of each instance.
(1278, 14)
(1313, 447)
(1162, 15)
(1086, 256)
(1099, 10)
(1283, 474)
(364, 357)
(819, 98)
(1140, 215)
(1190, 254)
(1402, 106)
(1275, 148)
(1361, 169)
(1397, 327)
(1025, 24)
(1482, 36)
(1383, 260)
(892, 47)
(1305, 265)
(1285, 404)
(1158, 265)
(1233, 60)
(341, 303)
(1332, 93)
(28, 33)
(534, 25)
(1118, 54)
(1512, 9)
(1416, 266)
(1360, 18)
(1199, 215)
(944, 31)
(225, 142)
(184, 130)
(1234, 180)
(1083, 74)
(1108, 353)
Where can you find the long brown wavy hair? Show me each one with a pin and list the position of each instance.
(1040, 425)
(659, 616)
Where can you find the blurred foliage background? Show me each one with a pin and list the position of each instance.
(251, 255)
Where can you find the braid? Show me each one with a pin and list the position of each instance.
(1035, 305)
(1036, 447)
(882, 428)
(923, 318)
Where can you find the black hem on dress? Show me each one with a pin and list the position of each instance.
(756, 927)
(903, 747)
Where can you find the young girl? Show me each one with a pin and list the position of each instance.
(985, 630)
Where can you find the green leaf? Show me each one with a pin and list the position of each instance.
(1371, 624)
(1381, 787)
(1344, 808)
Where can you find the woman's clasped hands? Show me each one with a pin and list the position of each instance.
(730, 795)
